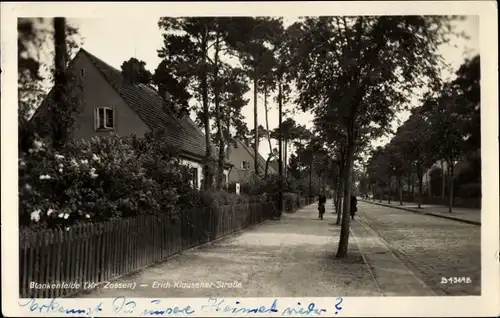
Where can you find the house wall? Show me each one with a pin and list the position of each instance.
(99, 93)
(199, 167)
(193, 164)
(236, 156)
(239, 154)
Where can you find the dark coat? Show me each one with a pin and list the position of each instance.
(322, 199)
(354, 203)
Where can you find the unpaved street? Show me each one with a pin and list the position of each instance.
(291, 257)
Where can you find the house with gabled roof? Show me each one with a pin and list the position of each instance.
(112, 105)
(241, 157)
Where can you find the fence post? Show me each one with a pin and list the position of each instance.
(99, 252)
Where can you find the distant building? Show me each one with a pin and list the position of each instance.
(113, 106)
(275, 165)
(241, 157)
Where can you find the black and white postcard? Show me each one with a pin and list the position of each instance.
(250, 159)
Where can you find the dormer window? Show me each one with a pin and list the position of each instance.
(104, 118)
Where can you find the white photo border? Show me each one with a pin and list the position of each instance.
(488, 304)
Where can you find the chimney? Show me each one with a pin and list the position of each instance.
(162, 91)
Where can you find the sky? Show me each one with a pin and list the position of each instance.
(141, 38)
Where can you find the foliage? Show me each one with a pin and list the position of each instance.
(257, 59)
(192, 58)
(101, 179)
(469, 190)
(135, 72)
(290, 200)
(168, 80)
(34, 38)
(446, 127)
(436, 180)
(234, 86)
(185, 60)
(455, 113)
(30, 91)
(355, 73)
(221, 198)
(364, 185)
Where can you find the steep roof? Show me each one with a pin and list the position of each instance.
(275, 165)
(152, 109)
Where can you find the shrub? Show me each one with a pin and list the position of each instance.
(469, 190)
(289, 200)
(269, 185)
(100, 179)
(220, 198)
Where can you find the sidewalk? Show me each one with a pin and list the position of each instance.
(471, 216)
(287, 258)
(391, 274)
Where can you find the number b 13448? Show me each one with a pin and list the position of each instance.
(455, 280)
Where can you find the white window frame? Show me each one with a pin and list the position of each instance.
(97, 118)
(243, 165)
(193, 171)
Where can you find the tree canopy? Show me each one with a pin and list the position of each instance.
(446, 127)
(354, 74)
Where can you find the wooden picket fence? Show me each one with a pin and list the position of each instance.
(100, 252)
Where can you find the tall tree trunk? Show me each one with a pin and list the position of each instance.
(286, 158)
(390, 191)
(267, 120)
(310, 180)
(334, 194)
(255, 124)
(381, 194)
(335, 189)
(298, 155)
(208, 171)
(451, 179)
(443, 182)
(220, 177)
(228, 136)
(420, 182)
(344, 231)
(400, 188)
(267, 167)
(409, 187)
(340, 193)
(228, 141)
(218, 117)
(280, 146)
(268, 133)
(59, 133)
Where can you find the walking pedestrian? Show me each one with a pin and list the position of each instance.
(321, 206)
(354, 207)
